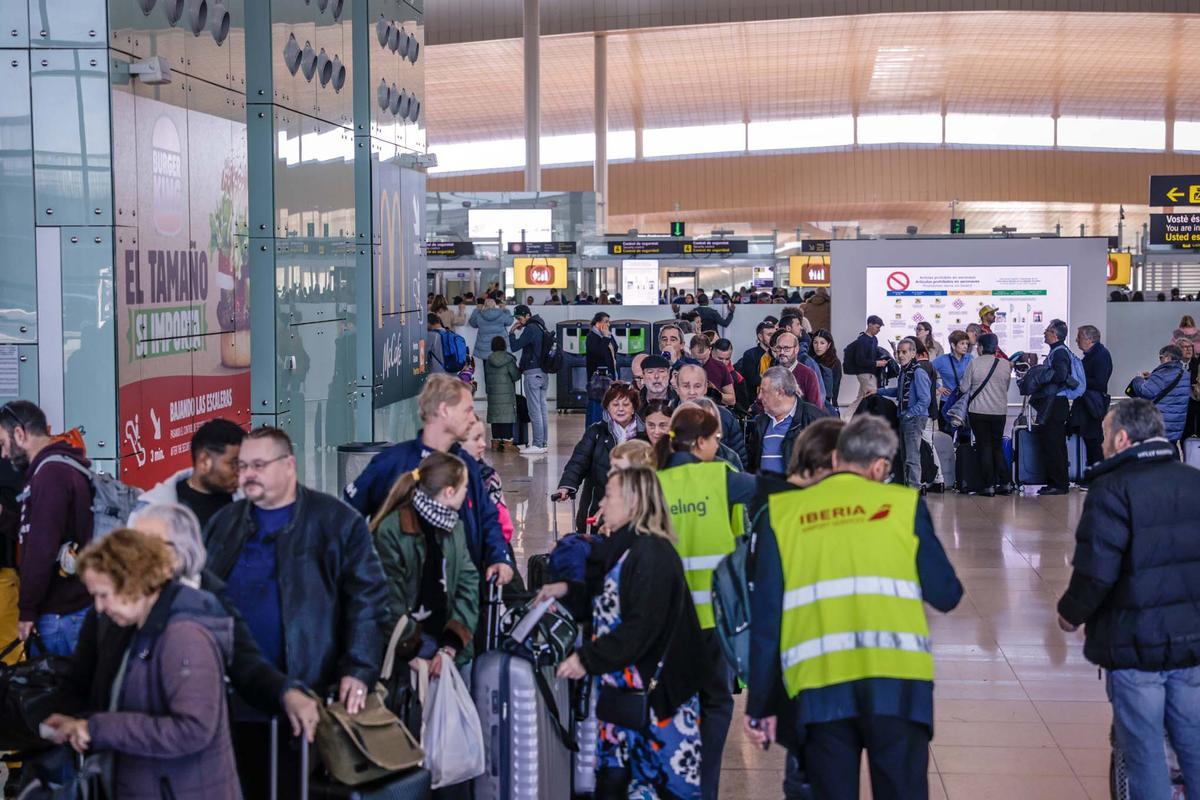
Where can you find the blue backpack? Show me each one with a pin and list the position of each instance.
(1077, 383)
(454, 351)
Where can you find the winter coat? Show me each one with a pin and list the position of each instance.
(170, 729)
(601, 354)
(528, 340)
(1174, 404)
(817, 310)
(400, 542)
(1088, 410)
(500, 375)
(1041, 384)
(806, 414)
(332, 591)
(56, 508)
(586, 471)
(480, 517)
(491, 322)
(711, 320)
(87, 686)
(1136, 579)
(452, 317)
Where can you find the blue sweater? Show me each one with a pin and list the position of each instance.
(947, 365)
(906, 699)
(481, 519)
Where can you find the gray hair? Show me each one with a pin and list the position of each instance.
(1060, 329)
(1171, 352)
(183, 534)
(782, 379)
(705, 403)
(1090, 332)
(866, 438)
(975, 328)
(1138, 418)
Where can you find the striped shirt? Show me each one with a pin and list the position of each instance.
(772, 444)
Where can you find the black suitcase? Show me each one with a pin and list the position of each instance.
(521, 426)
(537, 570)
(967, 474)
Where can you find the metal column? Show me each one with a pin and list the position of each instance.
(601, 123)
(533, 100)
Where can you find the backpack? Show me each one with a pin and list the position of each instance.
(112, 503)
(552, 358)
(1077, 384)
(454, 351)
(849, 365)
(731, 605)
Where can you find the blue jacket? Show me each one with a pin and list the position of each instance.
(1043, 382)
(912, 401)
(947, 365)
(491, 322)
(481, 519)
(529, 343)
(910, 700)
(1174, 404)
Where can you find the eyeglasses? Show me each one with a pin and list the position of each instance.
(260, 464)
(8, 409)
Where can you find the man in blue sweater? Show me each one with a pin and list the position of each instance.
(447, 413)
(912, 394)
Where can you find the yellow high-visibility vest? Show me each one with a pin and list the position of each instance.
(697, 496)
(852, 605)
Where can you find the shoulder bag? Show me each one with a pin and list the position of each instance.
(630, 708)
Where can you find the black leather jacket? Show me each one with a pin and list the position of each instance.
(331, 586)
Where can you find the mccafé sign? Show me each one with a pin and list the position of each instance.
(540, 273)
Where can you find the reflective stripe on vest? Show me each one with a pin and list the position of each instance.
(697, 496)
(852, 605)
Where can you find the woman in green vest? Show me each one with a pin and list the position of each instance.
(433, 585)
(701, 494)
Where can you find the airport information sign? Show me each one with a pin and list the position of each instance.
(1177, 230)
(678, 247)
(1175, 190)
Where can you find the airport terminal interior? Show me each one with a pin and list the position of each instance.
(291, 214)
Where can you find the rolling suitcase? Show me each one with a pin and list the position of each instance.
(587, 735)
(1191, 451)
(967, 475)
(1028, 469)
(521, 425)
(537, 570)
(943, 445)
(525, 712)
(413, 784)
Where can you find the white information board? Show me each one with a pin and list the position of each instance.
(949, 298)
(639, 282)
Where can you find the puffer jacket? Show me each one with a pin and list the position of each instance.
(1136, 579)
(170, 729)
(586, 471)
(501, 373)
(1174, 404)
(491, 322)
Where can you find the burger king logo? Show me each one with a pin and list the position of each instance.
(166, 169)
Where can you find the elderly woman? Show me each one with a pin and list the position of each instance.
(1191, 363)
(167, 723)
(587, 470)
(104, 641)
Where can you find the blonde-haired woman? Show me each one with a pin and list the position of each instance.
(645, 635)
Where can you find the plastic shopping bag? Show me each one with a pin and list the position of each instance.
(453, 737)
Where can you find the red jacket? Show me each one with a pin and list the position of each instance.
(57, 508)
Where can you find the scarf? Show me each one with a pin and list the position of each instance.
(624, 433)
(435, 514)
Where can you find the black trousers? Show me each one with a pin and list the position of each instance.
(1051, 433)
(989, 448)
(502, 430)
(716, 712)
(897, 754)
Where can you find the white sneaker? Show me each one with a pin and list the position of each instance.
(534, 451)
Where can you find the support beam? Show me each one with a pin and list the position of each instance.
(533, 99)
(600, 183)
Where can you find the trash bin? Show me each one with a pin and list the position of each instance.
(353, 457)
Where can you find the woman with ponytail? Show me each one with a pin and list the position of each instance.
(706, 498)
(433, 584)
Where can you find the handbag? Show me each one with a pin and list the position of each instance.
(630, 708)
(28, 694)
(366, 746)
(598, 384)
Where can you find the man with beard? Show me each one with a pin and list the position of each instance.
(656, 381)
(56, 514)
(212, 481)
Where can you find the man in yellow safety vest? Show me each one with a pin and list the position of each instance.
(838, 629)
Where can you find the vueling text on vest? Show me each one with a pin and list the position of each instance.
(699, 508)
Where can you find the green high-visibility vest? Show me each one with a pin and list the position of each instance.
(697, 496)
(852, 605)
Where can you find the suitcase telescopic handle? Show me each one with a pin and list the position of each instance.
(273, 761)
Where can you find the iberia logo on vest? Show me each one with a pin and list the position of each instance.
(845, 514)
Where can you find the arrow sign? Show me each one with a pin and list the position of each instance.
(1175, 190)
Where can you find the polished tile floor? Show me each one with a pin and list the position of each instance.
(1020, 714)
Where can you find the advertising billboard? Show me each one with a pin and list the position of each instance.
(398, 209)
(182, 282)
(540, 273)
(949, 298)
(808, 270)
(639, 283)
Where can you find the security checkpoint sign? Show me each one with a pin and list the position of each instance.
(1176, 230)
(1174, 190)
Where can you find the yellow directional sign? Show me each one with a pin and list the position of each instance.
(1175, 190)
(1174, 194)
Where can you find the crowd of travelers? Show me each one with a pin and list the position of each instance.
(737, 529)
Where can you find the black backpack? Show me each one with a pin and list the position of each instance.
(551, 360)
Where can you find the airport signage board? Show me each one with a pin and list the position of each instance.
(540, 273)
(1175, 190)
(678, 247)
(811, 270)
(814, 246)
(449, 249)
(1176, 230)
(542, 248)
